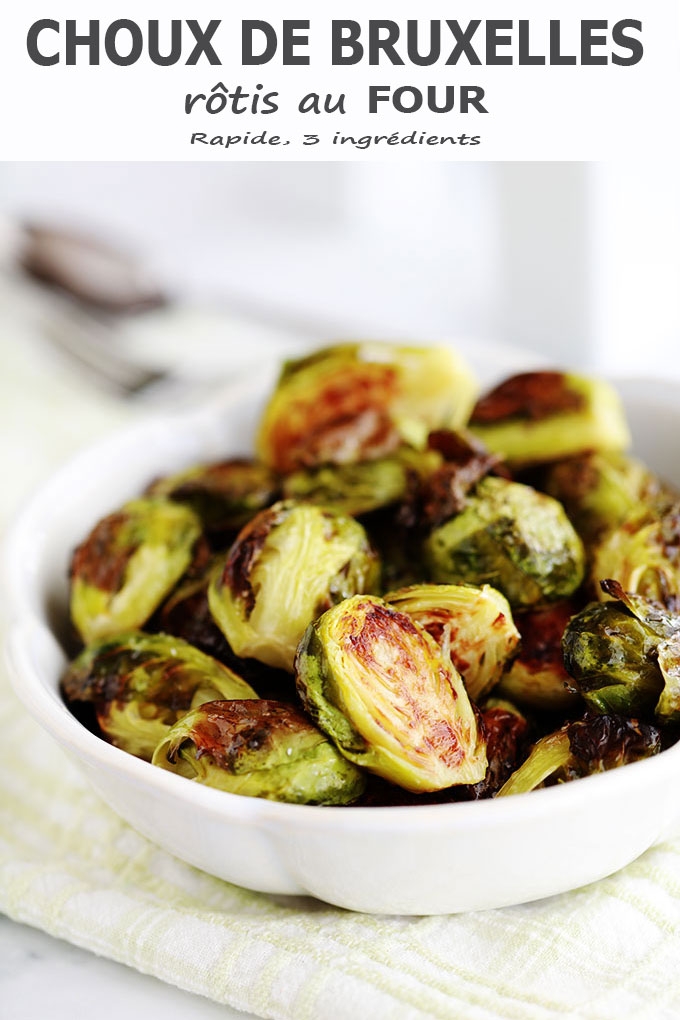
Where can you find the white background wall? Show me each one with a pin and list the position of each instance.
(580, 261)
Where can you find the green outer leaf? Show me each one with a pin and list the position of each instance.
(611, 656)
(509, 536)
(547, 756)
(353, 489)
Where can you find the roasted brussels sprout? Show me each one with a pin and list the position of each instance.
(581, 748)
(599, 489)
(512, 537)
(442, 491)
(668, 706)
(507, 738)
(378, 685)
(465, 521)
(537, 417)
(360, 401)
(186, 614)
(623, 656)
(286, 567)
(643, 553)
(352, 489)
(225, 495)
(439, 479)
(472, 625)
(506, 732)
(128, 564)
(141, 684)
(537, 677)
(259, 749)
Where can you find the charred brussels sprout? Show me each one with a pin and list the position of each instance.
(141, 684)
(507, 733)
(537, 417)
(128, 564)
(599, 489)
(292, 562)
(473, 625)
(352, 489)
(624, 655)
(643, 553)
(537, 677)
(581, 748)
(438, 494)
(259, 749)
(512, 537)
(225, 495)
(360, 401)
(186, 613)
(379, 686)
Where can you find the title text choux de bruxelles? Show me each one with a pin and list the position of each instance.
(340, 43)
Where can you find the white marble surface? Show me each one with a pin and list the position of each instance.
(42, 976)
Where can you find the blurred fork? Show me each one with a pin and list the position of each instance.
(88, 338)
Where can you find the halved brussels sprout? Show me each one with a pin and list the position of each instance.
(141, 684)
(643, 553)
(259, 749)
(537, 417)
(472, 625)
(127, 565)
(512, 537)
(623, 655)
(287, 566)
(225, 495)
(598, 489)
(537, 677)
(506, 731)
(352, 489)
(581, 748)
(360, 401)
(379, 686)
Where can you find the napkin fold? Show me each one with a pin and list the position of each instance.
(70, 866)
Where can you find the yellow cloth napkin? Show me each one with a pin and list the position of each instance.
(70, 866)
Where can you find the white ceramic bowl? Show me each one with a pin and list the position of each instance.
(411, 860)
